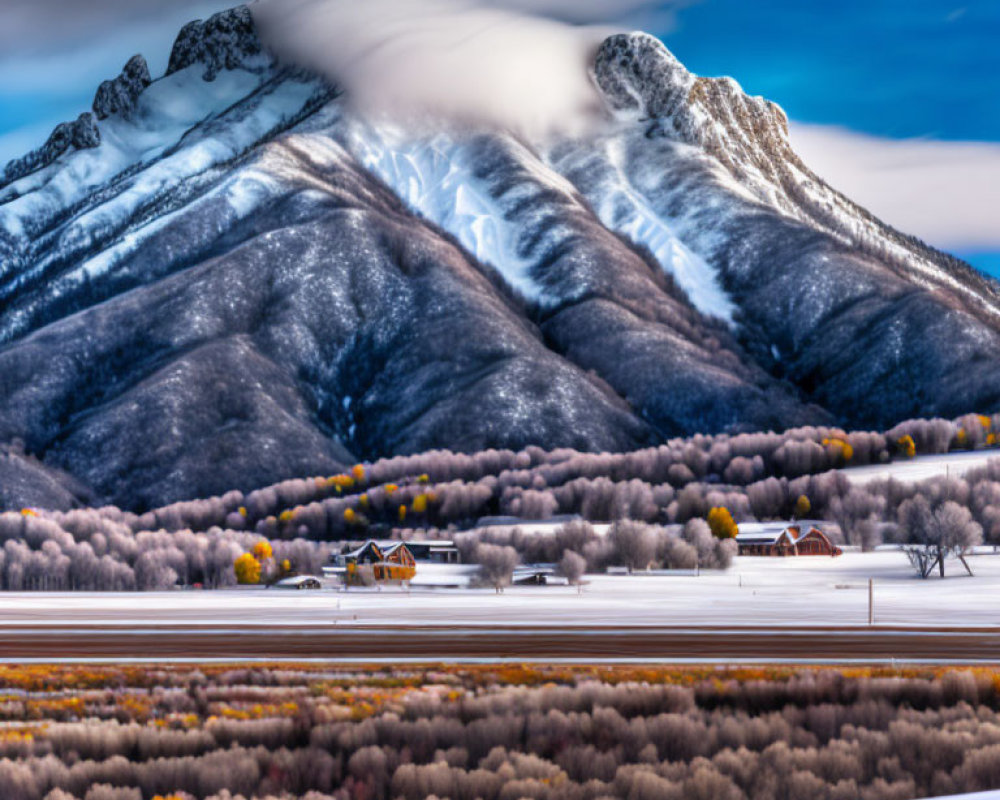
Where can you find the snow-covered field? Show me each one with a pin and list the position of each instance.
(923, 467)
(754, 591)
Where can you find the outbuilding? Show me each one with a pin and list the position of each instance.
(299, 582)
(784, 539)
(434, 551)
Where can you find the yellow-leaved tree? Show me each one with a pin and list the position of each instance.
(247, 569)
(721, 523)
(262, 550)
(907, 446)
(420, 503)
(802, 506)
(840, 449)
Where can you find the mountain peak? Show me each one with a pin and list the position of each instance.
(118, 96)
(80, 133)
(220, 42)
(636, 72)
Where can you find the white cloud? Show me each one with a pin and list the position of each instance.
(655, 15)
(946, 193)
(484, 61)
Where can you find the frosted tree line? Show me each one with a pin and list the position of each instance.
(659, 498)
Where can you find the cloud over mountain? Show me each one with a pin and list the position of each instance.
(949, 192)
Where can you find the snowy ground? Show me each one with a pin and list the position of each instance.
(953, 464)
(754, 591)
(994, 795)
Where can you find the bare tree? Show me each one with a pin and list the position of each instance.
(634, 544)
(572, 566)
(496, 564)
(932, 536)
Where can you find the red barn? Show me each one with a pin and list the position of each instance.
(784, 539)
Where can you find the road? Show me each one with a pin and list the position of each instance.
(433, 643)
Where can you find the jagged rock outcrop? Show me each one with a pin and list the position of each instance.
(118, 96)
(749, 136)
(223, 41)
(637, 73)
(866, 319)
(80, 133)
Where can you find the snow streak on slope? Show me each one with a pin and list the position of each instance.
(95, 208)
(193, 155)
(625, 210)
(242, 193)
(435, 178)
(167, 111)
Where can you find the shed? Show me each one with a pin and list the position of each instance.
(435, 551)
(537, 575)
(299, 582)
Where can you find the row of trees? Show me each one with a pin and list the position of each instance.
(724, 479)
(524, 483)
(96, 553)
(97, 549)
(553, 733)
(577, 548)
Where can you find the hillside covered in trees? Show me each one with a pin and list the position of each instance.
(674, 505)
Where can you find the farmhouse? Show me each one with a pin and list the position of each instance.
(389, 561)
(784, 539)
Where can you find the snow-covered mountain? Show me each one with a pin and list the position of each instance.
(225, 277)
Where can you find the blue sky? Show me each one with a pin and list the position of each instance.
(887, 70)
(894, 69)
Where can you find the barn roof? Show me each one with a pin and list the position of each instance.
(358, 552)
(770, 532)
(385, 547)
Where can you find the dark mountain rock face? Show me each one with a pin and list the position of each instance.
(256, 284)
(222, 41)
(25, 481)
(118, 96)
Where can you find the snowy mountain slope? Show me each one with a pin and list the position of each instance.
(330, 325)
(873, 324)
(239, 280)
(602, 305)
